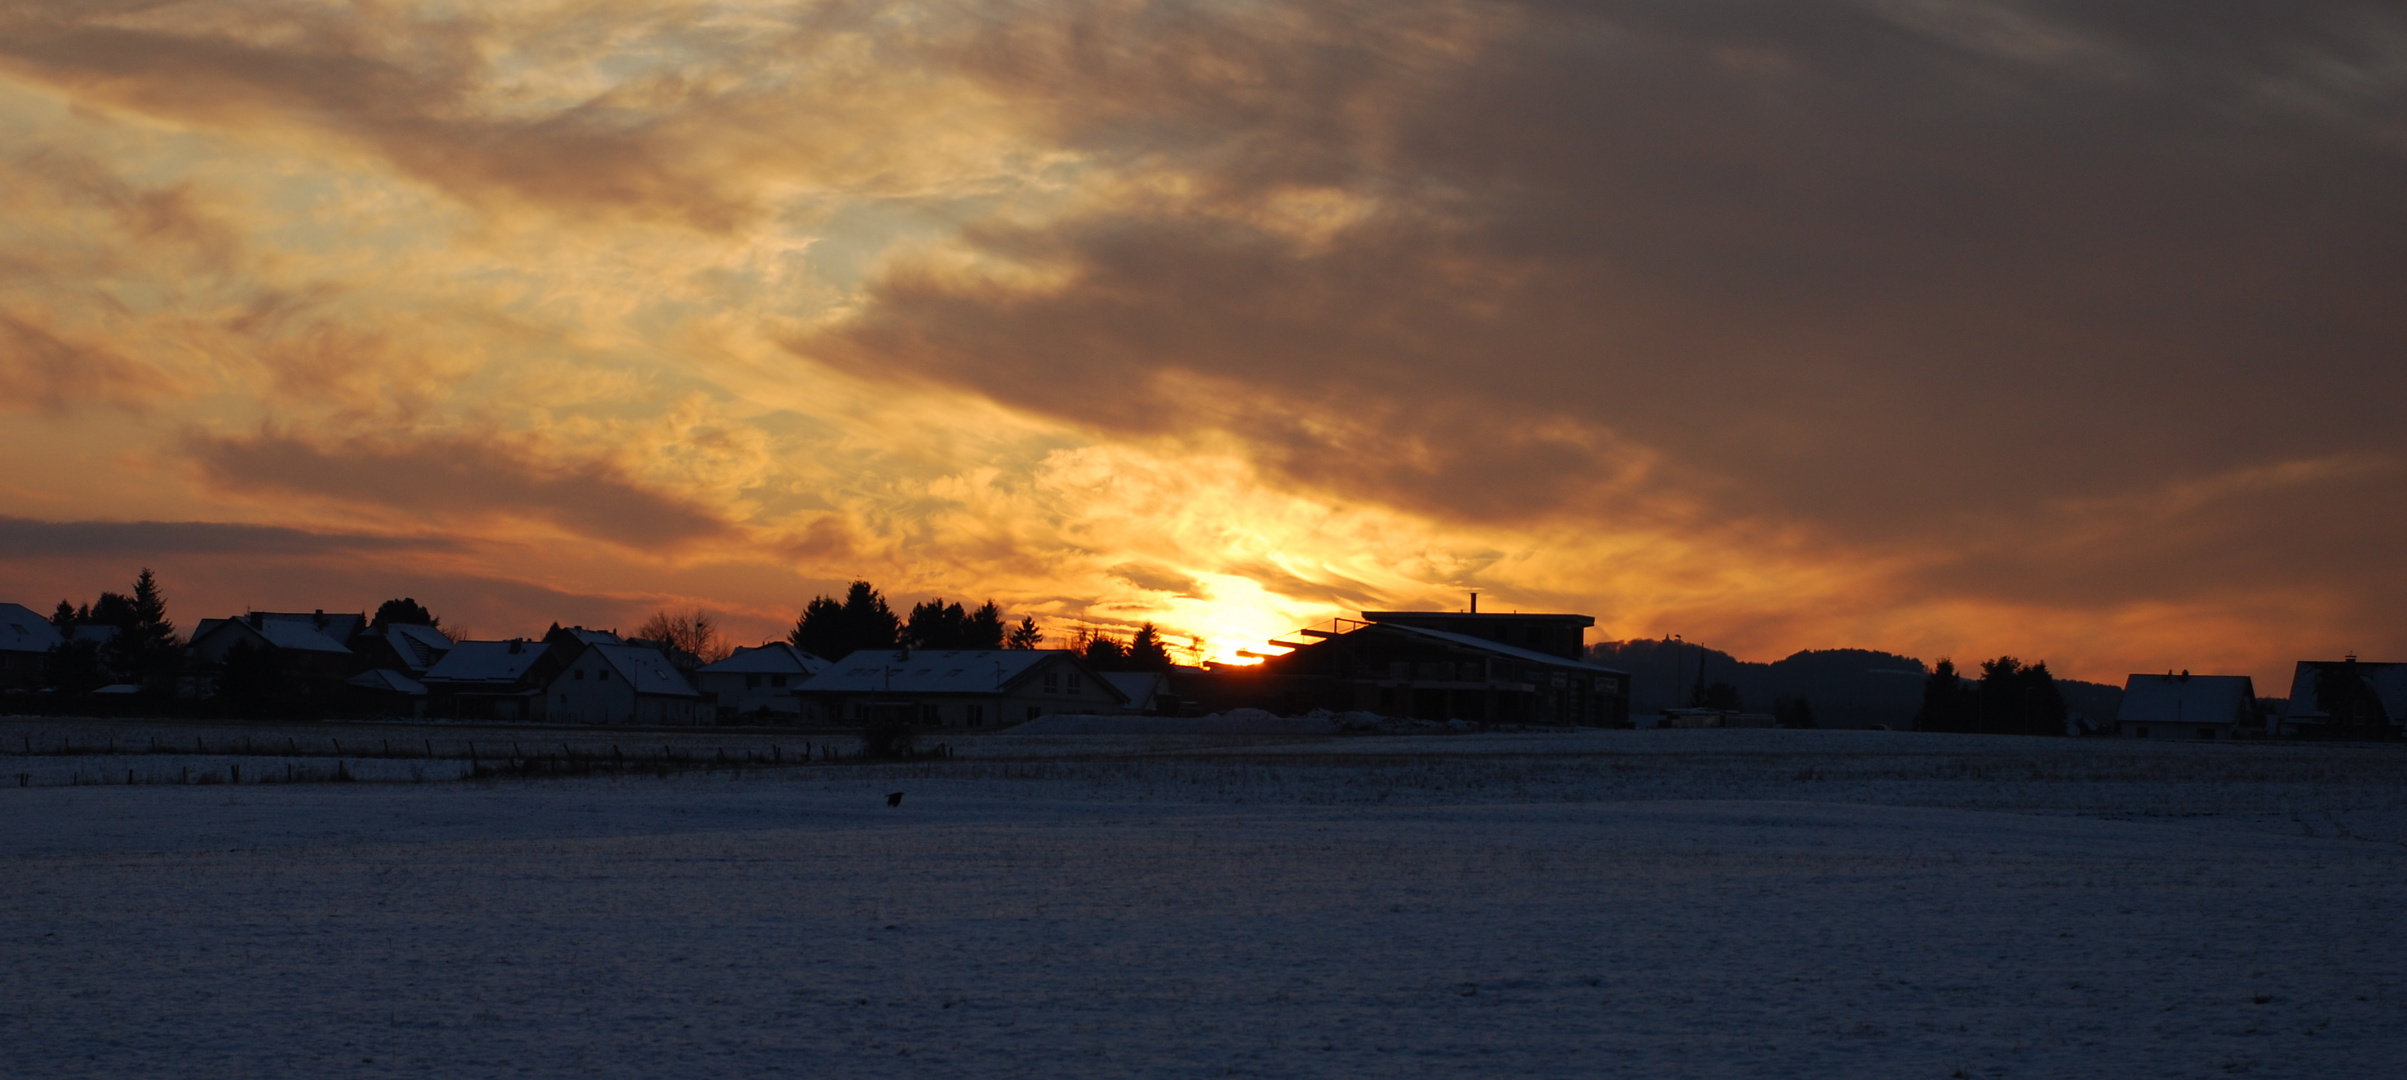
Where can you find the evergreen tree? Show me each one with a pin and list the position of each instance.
(818, 629)
(1146, 651)
(1793, 712)
(2015, 699)
(64, 619)
(1946, 704)
(985, 629)
(835, 630)
(1025, 635)
(1100, 649)
(936, 625)
(144, 649)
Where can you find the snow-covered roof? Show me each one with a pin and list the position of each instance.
(2388, 681)
(774, 658)
(591, 637)
(940, 671)
(1139, 687)
(21, 630)
(96, 633)
(486, 662)
(2187, 699)
(300, 633)
(1497, 647)
(387, 679)
(418, 646)
(646, 670)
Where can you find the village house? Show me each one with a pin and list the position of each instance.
(2187, 706)
(308, 651)
(491, 680)
(622, 684)
(959, 687)
(763, 680)
(1436, 665)
(2347, 699)
(26, 639)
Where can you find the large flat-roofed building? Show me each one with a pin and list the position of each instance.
(1437, 665)
(1556, 635)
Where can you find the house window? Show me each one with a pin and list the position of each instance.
(1074, 684)
(2141, 734)
(1035, 711)
(580, 674)
(603, 674)
(752, 682)
(1052, 683)
(777, 682)
(975, 714)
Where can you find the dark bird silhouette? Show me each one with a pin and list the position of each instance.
(894, 798)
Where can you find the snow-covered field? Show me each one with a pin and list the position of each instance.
(1709, 903)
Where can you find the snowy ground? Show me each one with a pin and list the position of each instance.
(1642, 903)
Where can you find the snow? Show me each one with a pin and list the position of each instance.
(1694, 903)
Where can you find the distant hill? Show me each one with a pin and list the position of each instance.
(1848, 688)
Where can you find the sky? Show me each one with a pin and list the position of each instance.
(2071, 331)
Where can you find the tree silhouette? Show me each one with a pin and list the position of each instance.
(835, 630)
(402, 612)
(1793, 712)
(985, 630)
(693, 633)
(1100, 648)
(1146, 651)
(1946, 704)
(2019, 699)
(1025, 635)
(145, 647)
(938, 625)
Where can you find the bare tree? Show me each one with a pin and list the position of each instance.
(691, 631)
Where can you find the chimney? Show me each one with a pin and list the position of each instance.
(258, 619)
(1474, 603)
(518, 645)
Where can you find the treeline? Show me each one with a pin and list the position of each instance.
(834, 628)
(2010, 698)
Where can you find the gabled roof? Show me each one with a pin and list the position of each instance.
(942, 671)
(774, 658)
(591, 637)
(387, 680)
(1139, 687)
(99, 633)
(300, 633)
(1497, 647)
(645, 669)
(2187, 699)
(418, 646)
(21, 630)
(2388, 681)
(498, 662)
